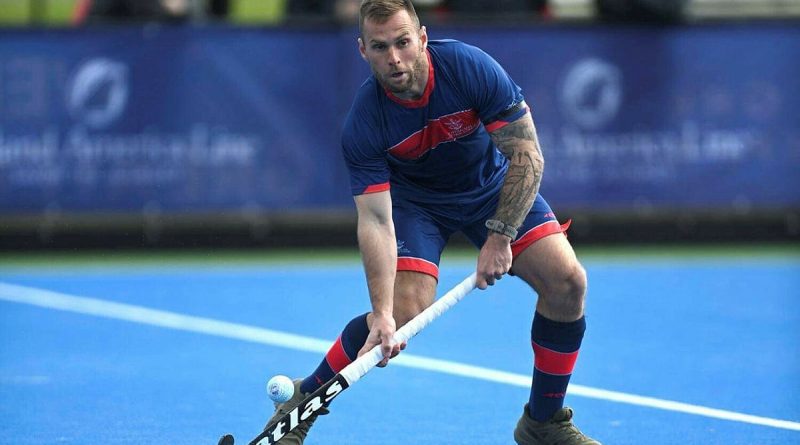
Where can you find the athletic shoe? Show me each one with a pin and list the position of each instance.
(297, 435)
(559, 430)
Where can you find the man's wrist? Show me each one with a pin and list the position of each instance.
(497, 226)
(382, 313)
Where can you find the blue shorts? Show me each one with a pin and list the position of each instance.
(422, 231)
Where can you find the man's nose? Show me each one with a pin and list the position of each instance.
(392, 56)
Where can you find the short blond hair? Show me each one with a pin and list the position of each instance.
(381, 10)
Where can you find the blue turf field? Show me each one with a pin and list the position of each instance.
(709, 332)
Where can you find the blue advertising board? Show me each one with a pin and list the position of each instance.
(183, 119)
(702, 118)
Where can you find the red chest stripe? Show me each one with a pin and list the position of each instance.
(444, 129)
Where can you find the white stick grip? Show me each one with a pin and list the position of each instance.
(354, 371)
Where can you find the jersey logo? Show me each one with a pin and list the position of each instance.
(447, 128)
(454, 125)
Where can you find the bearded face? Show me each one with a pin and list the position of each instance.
(395, 51)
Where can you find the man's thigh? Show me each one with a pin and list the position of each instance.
(413, 293)
(550, 266)
(538, 223)
(421, 237)
(545, 261)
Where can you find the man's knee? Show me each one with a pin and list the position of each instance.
(403, 313)
(413, 293)
(565, 293)
(575, 282)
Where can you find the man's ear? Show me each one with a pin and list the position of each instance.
(362, 49)
(423, 37)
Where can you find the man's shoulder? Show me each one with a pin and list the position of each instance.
(457, 58)
(451, 47)
(361, 121)
(366, 92)
(365, 101)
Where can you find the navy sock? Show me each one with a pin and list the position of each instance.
(343, 351)
(555, 348)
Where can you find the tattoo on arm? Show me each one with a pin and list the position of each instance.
(517, 141)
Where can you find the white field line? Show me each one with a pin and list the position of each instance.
(172, 320)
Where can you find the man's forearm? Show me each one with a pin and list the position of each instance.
(376, 241)
(518, 142)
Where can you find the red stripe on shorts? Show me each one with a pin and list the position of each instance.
(535, 234)
(554, 362)
(336, 357)
(418, 265)
(375, 188)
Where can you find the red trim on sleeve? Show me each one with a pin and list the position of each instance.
(375, 188)
(336, 357)
(418, 265)
(535, 234)
(496, 125)
(553, 362)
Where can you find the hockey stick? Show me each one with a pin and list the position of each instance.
(354, 371)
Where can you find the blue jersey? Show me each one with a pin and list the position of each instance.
(435, 149)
